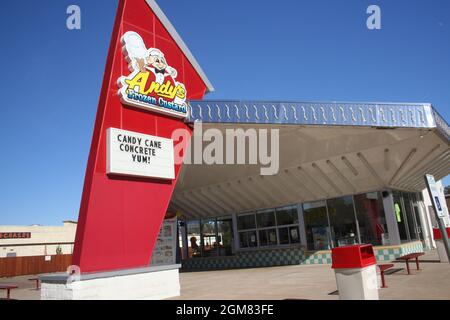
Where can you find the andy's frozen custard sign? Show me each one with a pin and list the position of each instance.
(152, 83)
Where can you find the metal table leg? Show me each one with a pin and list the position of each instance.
(382, 280)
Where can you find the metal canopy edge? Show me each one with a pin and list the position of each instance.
(368, 114)
(171, 29)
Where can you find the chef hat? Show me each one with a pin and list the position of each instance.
(155, 53)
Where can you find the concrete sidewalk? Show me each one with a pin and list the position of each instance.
(313, 283)
(290, 282)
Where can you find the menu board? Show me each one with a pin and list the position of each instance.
(166, 244)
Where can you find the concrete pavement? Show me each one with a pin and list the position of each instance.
(291, 282)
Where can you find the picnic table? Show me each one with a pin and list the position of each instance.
(37, 282)
(410, 256)
(8, 288)
(383, 268)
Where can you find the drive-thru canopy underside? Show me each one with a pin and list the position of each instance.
(327, 150)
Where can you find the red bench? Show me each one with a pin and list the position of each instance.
(410, 256)
(383, 268)
(8, 288)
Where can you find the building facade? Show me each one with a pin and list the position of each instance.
(29, 241)
(348, 173)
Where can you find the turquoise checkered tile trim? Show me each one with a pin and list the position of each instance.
(289, 256)
(248, 259)
(392, 253)
(318, 258)
(387, 254)
(413, 248)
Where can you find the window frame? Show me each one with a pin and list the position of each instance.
(276, 227)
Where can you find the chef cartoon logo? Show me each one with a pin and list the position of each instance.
(152, 83)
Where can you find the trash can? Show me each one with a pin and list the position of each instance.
(440, 244)
(355, 268)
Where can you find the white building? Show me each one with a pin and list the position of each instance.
(348, 173)
(26, 241)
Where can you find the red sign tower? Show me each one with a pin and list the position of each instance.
(120, 216)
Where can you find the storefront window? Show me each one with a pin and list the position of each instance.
(342, 221)
(246, 222)
(266, 218)
(287, 222)
(316, 225)
(248, 239)
(268, 237)
(289, 235)
(225, 236)
(273, 227)
(287, 216)
(371, 218)
(210, 237)
(284, 235)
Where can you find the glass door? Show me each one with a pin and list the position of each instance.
(410, 216)
(317, 225)
(225, 237)
(193, 238)
(342, 221)
(400, 216)
(209, 238)
(371, 218)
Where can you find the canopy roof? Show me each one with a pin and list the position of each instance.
(327, 150)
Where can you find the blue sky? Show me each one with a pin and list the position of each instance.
(285, 50)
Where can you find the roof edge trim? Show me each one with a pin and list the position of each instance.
(171, 29)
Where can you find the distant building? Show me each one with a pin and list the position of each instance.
(36, 240)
